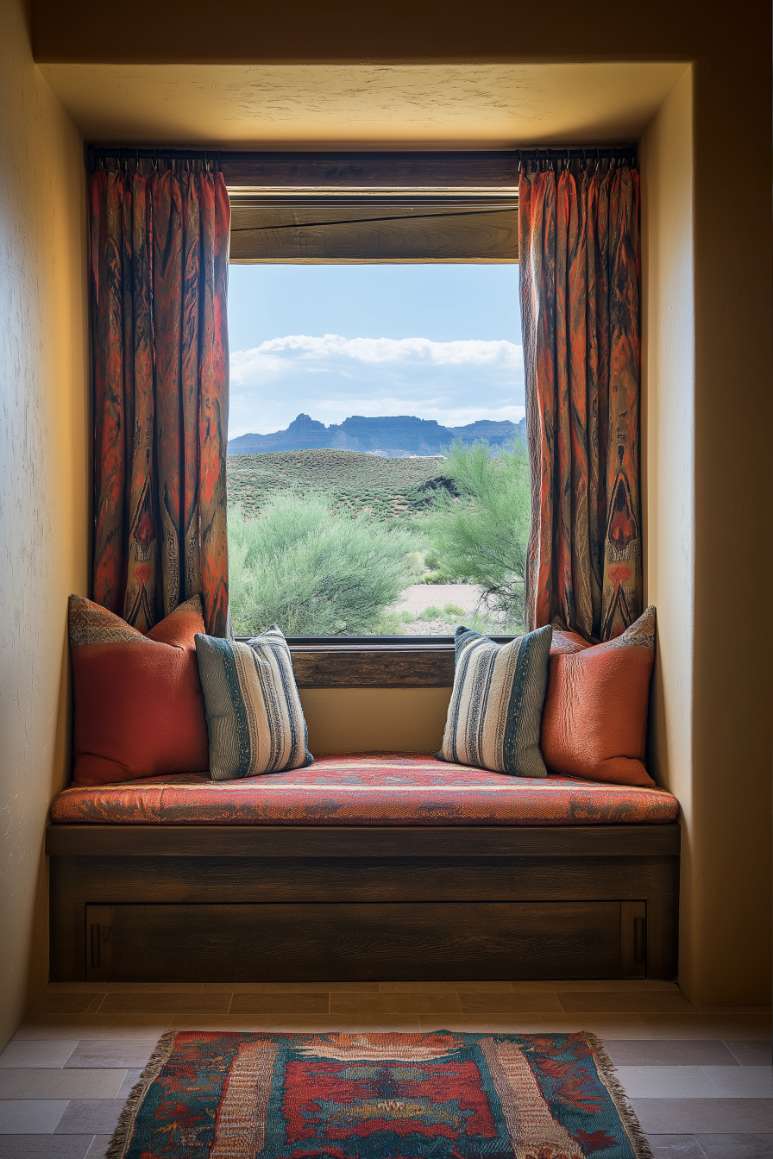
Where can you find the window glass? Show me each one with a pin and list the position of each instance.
(377, 475)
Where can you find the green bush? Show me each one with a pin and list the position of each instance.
(312, 570)
(448, 612)
(481, 537)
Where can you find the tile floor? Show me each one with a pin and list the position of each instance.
(700, 1080)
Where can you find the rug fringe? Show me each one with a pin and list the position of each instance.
(122, 1135)
(628, 1117)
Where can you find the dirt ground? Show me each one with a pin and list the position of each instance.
(419, 598)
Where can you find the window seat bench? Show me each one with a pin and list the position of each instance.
(363, 867)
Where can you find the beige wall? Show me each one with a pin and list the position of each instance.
(352, 720)
(43, 460)
(305, 31)
(732, 638)
(708, 424)
(668, 370)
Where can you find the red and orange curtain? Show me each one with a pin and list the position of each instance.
(159, 238)
(580, 276)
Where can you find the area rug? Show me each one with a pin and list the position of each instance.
(442, 1095)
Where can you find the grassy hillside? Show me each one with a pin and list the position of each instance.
(384, 488)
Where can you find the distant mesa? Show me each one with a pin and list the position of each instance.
(393, 436)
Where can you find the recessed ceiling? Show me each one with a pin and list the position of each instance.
(301, 106)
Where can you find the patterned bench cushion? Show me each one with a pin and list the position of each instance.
(366, 790)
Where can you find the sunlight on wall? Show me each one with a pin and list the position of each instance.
(43, 508)
(669, 453)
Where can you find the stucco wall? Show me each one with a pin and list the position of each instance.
(732, 721)
(43, 460)
(351, 720)
(668, 420)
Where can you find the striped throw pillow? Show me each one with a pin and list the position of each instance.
(254, 715)
(495, 713)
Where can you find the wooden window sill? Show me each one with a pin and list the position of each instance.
(374, 664)
(377, 662)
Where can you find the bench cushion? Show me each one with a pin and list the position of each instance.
(366, 790)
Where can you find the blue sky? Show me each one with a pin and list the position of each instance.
(437, 341)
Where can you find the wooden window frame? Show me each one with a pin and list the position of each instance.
(437, 189)
(375, 661)
(373, 207)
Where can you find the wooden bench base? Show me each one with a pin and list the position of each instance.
(228, 903)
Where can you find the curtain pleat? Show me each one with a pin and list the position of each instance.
(580, 276)
(159, 281)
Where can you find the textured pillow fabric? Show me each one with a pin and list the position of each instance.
(138, 705)
(495, 712)
(254, 712)
(595, 719)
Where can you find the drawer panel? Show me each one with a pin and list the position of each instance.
(364, 941)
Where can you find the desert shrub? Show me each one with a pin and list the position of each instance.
(314, 570)
(447, 612)
(481, 536)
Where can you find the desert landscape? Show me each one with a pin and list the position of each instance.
(335, 539)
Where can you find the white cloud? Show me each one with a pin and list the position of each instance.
(272, 355)
(331, 377)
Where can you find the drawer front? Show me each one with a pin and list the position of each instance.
(364, 941)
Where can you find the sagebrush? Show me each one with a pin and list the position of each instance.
(480, 535)
(314, 570)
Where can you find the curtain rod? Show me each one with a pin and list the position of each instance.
(100, 153)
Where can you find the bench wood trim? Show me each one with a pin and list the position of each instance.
(361, 841)
(230, 883)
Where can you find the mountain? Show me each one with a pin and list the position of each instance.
(393, 436)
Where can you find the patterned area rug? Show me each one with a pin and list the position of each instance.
(444, 1095)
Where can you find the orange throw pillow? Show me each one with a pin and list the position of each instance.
(138, 704)
(595, 719)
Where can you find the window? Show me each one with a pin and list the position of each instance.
(377, 475)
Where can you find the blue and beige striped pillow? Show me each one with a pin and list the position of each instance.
(254, 714)
(495, 713)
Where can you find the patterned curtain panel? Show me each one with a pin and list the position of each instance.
(580, 274)
(159, 276)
